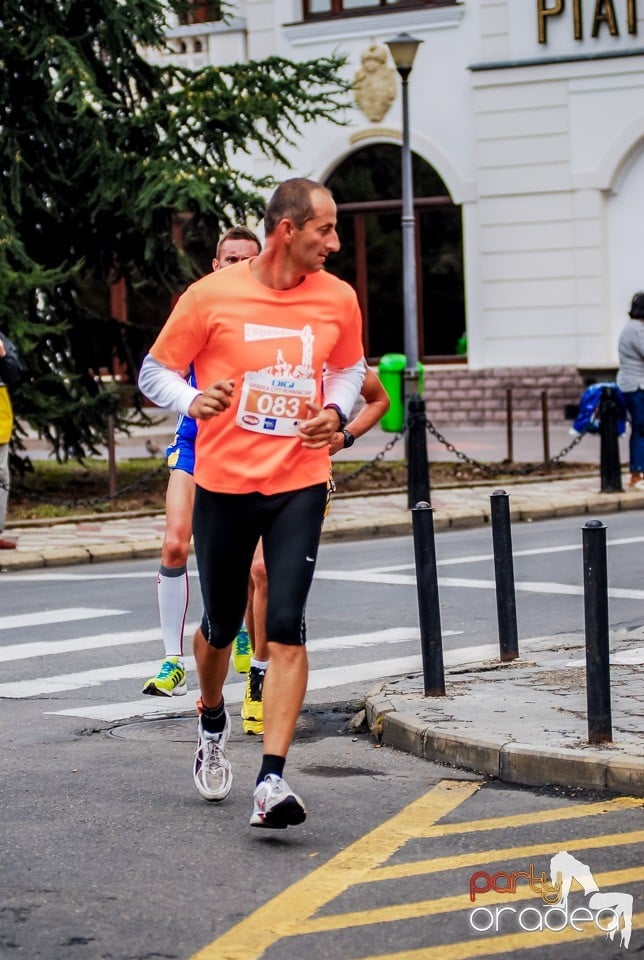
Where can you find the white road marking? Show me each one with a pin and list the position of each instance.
(44, 686)
(485, 557)
(318, 680)
(53, 577)
(21, 621)
(527, 586)
(44, 648)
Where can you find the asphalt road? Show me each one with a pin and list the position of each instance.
(108, 851)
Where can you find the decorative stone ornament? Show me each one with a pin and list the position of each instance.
(375, 83)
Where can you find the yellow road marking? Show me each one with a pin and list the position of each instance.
(282, 915)
(437, 864)
(528, 819)
(501, 944)
(428, 908)
(291, 913)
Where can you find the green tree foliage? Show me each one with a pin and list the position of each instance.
(101, 150)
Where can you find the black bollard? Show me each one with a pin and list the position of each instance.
(609, 465)
(431, 640)
(506, 605)
(417, 464)
(111, 458)
(596, 618)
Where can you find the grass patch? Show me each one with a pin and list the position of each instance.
(66, 490)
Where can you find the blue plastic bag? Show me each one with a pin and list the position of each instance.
(587, 420)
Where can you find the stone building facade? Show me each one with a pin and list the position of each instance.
(527, 129)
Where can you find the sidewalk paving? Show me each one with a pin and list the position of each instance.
(523, 722)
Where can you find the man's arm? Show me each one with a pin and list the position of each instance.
(375, 407)
(341, 387)
(169, 390)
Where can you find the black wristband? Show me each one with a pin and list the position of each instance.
(349, 438)
(341, 416)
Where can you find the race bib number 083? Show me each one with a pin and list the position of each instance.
(274, 405)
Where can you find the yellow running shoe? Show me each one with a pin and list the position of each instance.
(241, 651)
(252, 711)
(170, 681)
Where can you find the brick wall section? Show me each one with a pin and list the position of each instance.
(461, 396)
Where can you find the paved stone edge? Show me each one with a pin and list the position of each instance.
(509, 761)
(333, 531)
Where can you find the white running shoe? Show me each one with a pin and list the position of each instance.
(212, 772)
(275, 804)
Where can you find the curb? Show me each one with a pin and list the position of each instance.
(509, 761)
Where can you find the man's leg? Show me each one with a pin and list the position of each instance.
(225, 539)
(4, 495)
(252, 708)
(172, 584)
(283, 696)
(291, 540)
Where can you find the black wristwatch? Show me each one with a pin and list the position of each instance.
(343, 419)
(349, 438)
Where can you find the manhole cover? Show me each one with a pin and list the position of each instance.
(311, 725)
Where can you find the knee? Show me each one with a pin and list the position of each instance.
(174, 552)
(284, 628)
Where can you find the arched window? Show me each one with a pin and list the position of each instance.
(367, 189)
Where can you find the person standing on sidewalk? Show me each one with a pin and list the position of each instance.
(260, 334)
(630, 380)
(10, 373)
(237, 244)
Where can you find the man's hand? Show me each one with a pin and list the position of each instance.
(212, 401)
(318, 430)
(337, 442)
(3, 352)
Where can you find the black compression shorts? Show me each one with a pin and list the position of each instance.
(227, 528)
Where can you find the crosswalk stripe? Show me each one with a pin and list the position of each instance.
(234, 693)
(43, 648)
(526, 586)
(321, 679)
(21, 621)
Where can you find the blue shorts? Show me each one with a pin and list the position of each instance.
(181, 454)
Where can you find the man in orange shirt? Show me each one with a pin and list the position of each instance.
(260, 334)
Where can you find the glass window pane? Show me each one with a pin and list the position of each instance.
(319, 6)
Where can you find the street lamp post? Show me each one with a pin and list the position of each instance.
(403, 51)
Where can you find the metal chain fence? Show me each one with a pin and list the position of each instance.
(492, 472)
(486, 470)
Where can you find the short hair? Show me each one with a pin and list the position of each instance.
(292, 201)
(238, 233)
(637, 307)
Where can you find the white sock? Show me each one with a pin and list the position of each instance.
(260, 664)
(172, 593)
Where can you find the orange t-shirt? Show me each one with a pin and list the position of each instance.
(273, 344)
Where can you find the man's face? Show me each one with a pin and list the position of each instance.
(310, 246)
(233, 251)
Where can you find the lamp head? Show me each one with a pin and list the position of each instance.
(403, 51)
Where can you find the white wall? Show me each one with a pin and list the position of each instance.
(545, 154)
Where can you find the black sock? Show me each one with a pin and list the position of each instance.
(271, 764)
(213, 719)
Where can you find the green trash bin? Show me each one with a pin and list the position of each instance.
(390, 370)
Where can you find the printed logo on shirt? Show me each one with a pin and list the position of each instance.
(250, 419)
(269, 423)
